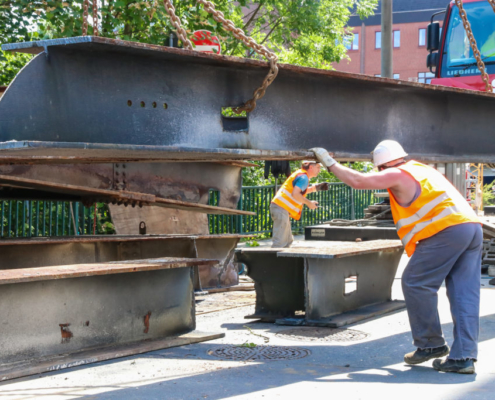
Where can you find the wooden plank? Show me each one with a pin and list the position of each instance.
(97, 355)
(82, 270)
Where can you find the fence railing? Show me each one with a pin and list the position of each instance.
(48, 218)
(62, 218)
(341, 201)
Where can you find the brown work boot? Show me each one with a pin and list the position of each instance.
(421, 355)
(458, 366)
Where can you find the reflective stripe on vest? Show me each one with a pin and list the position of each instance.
(438, 207)
(291, 197)
(422, 212)
(422, 225)
(288, 203)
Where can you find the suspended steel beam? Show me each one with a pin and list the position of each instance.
(95, 91)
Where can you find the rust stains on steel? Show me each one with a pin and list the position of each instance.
(66, 333)
(147, 322)
(109, 268)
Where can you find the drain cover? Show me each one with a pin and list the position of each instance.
(315, 334)
(259, 353)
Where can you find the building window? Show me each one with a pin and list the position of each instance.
(378, 40)
(355, 42)
(425, 77)
(422, 37)
(351, 42)
(396, 38)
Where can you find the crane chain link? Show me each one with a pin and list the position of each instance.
(175, 21)
(85, 18)
(492, 3)
(95, 17)
(474, 46)
(239, 34)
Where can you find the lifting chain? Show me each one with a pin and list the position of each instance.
(239, 34)
(85, 18)
(175, 21)
(474, 46)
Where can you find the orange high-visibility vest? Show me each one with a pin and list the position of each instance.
(438, 207)
(284, 198)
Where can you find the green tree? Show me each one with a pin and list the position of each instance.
(303, 32)
(255, 176)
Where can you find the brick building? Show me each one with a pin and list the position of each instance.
(410, 19)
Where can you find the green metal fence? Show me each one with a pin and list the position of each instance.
(340, 201)
(62, 218)
(47, 218)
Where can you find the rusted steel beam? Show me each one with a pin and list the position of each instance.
(110, 238)
(119, 196)
(155, 96)
(42, 152)
(110, 268)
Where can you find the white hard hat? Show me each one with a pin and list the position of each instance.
(386, 151)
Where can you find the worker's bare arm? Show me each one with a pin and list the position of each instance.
(390, 178)
(311, 189)
(297, 194)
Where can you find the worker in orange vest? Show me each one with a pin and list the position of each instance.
(290, 200)
(444, 238)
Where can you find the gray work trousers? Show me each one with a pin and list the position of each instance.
(453, 255)
(282, 231)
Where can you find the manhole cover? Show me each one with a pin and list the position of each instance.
(315, 334)
(259, 353)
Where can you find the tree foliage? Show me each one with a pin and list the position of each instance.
(255, 176)
(303, 32)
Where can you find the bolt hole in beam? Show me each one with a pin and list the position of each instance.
(129, 103)
(234, 122)
(165, 106)
(143, 104)
(350, 285)
(153, 104)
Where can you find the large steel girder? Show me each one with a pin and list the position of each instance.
(30, 253)
(188, 182)
(315, 282)
(103, 91)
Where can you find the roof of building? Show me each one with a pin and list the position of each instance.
(404, 11)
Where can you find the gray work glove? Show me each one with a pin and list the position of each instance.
(322, 186)
(323, 157)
